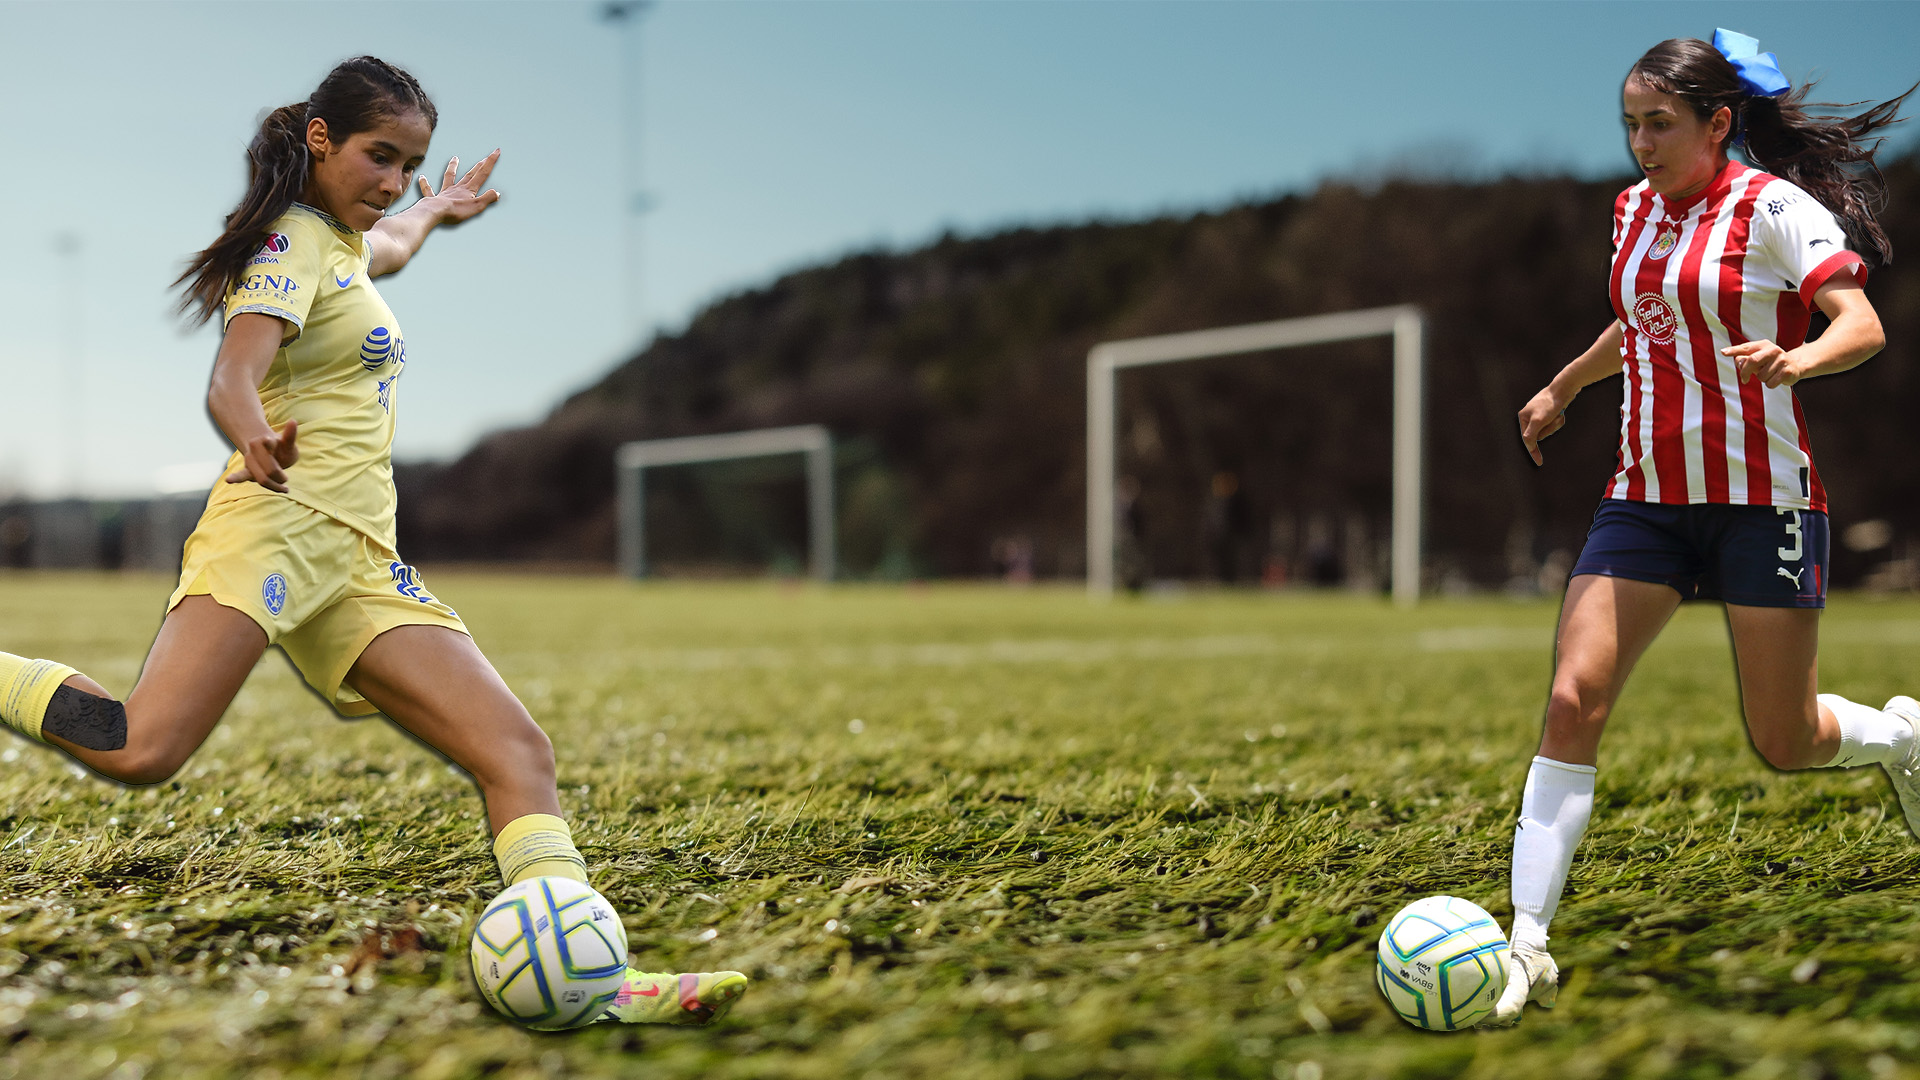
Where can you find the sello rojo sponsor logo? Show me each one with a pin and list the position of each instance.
(1654, 317)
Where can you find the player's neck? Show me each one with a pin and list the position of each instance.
(1691, 194)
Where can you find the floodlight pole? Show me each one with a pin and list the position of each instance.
(625, 14)
(70, 247)
(1406, 324)
(813, 440)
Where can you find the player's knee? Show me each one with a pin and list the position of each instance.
(534, 747)
(521, 751)
(143, 767)
(1785, 749)
(1572, 709)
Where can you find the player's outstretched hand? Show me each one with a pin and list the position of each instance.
(459, 200)
(1541, 417)
(1765, 361)
(268, 457)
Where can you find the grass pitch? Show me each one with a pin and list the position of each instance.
(963, 832)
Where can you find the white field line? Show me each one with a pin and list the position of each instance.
(1897, 632)
(1484, 639)
(969, 654)
(1081, 651)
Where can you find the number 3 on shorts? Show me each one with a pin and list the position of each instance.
(1793, 553)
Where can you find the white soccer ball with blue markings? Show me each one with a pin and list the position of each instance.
(1443, 963)
(549, 953)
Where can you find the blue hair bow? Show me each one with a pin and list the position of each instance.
(1759, 72)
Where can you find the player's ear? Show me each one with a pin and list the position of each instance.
(319, 141)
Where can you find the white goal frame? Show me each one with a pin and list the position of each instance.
(814, 440)
(1405, 323)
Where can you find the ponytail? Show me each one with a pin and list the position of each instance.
(276, 176)
(1829, 157)
(359, 94)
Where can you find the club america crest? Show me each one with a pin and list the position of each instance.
(1665, 240)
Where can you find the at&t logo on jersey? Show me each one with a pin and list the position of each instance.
(1654, 318)
(379, 345)
(274, 592)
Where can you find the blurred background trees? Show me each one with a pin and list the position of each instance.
(954, 378)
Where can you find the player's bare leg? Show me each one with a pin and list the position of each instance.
(200, 658)
(435, 683)
(1793, 727)
(1606, 624)
(1776, 653)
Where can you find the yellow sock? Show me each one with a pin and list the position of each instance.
(26, 688)
(538, 845)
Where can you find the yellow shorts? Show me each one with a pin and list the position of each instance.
(321, 590)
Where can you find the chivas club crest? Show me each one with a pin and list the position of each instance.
(1665, 240)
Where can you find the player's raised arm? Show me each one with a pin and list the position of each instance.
(395, 239)
(1547, 412)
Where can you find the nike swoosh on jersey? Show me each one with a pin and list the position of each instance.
(347, 282)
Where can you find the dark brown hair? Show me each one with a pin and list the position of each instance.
(355, 96)
(1829, 157)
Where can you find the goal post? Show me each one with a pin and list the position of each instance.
(1405, 324)
(633, 459)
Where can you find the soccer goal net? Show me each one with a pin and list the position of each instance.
(812, 440)
(1405, 324)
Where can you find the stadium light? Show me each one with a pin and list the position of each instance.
(813, 440)
(1406, 324)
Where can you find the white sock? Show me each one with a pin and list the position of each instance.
(1868, 736)
(1553, 816)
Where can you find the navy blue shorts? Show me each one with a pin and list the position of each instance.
(1759, 556)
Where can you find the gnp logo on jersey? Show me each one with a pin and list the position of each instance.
(274, 592)
(1654, 317)
(277, 243)
(377, 348)
(1665, 241)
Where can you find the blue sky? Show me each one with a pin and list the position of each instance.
(772, 135)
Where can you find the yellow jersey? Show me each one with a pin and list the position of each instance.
(339, 359)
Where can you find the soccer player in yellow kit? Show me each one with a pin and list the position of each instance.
(296, 546)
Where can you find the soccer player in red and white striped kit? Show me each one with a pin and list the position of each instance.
(1717, 269)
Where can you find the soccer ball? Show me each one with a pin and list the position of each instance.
(1443, 963)
(549, 953)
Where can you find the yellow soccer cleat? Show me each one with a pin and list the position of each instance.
(648, 997)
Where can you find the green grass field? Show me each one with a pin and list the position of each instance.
(963, 832)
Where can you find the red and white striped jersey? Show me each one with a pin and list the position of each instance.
(1738, 262)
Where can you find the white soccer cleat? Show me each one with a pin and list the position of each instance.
(1906, 774)
(1531, 976)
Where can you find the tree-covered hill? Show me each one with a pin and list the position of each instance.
(954, 379)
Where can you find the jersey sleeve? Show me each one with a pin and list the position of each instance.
(1803, 240)
(282, 278)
